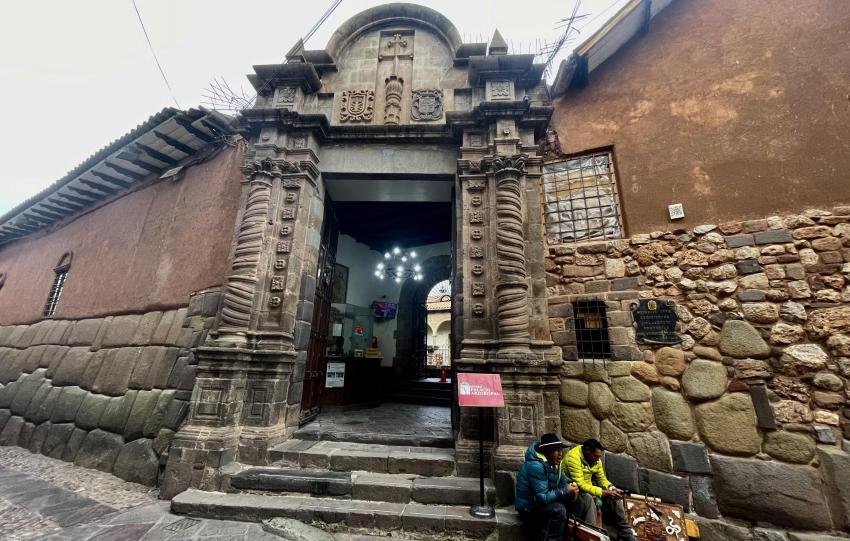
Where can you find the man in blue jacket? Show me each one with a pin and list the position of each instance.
(544, 493)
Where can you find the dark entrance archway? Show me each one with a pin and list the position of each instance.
(410, 359)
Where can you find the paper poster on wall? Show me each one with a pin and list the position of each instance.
(335, 375)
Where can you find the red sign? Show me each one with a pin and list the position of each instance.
(481, 390)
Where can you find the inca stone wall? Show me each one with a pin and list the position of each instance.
(748, 417)
(105, 393)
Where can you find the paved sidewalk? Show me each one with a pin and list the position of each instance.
(46, 498)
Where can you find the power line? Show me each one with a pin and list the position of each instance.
(150, 45)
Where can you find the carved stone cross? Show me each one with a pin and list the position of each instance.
(397, 42)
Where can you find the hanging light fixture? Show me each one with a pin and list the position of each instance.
(399, 265)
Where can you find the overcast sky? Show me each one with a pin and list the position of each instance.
(76, 75)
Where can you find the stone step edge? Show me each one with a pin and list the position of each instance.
(426, 461)
(369, 486)
(402, 440)
(384, 516)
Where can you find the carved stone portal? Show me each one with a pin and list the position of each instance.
(357, 106)
(427, 105)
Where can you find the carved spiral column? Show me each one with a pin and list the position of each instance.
(512, 286)
(242, 281)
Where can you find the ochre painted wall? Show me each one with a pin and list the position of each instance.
(738, 109)
(147, 250)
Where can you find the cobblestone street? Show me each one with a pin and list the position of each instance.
(45, 498)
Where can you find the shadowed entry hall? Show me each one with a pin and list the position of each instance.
(384, 247)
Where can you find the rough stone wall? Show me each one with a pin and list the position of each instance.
(749, 416)
(105, 393)
(712, 108)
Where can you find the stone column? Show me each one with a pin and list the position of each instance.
(501, 256)
(247, 391)
(512, 287)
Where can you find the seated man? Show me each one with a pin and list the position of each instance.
(584, 466)
(543, 491)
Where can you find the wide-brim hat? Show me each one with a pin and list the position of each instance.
(550, 441)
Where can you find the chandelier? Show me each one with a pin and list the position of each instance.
(399, 265)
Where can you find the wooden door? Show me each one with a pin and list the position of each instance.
(314, 371)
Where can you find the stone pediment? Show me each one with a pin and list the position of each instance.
(398, 65)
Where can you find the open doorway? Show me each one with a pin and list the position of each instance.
(389, 253)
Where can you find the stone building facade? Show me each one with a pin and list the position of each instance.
(560, 227)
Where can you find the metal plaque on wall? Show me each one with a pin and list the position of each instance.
(655, 322)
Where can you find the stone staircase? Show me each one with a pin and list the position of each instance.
(379, 487)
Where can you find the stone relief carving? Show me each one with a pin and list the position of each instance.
(478, 270)
(478, 309)
(357, 106)
(500, 90)
(274, 302)
(427, 105)
(475, 140)
(476, 252)
(476, 234)
(477, 289)
(476, 184)
(290, 197)
(285, 230)
(285, 96)
(287, 214)
(299, 141)
(393, 92)
(279, 264)
(475, 200)
(284, 246)
(278, 283)
(476, 217)
(511, 291)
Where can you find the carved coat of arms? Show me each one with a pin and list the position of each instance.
(357, 106)
(427, 105)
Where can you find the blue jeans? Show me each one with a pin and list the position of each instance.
(546, 521)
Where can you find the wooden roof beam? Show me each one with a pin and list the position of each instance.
(98, 186)
(110, 179)
(126, 172)
(157, 155)
(134, 159)
(172, 142)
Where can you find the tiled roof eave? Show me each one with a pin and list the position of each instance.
(166, 139)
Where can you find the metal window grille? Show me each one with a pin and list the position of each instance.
(591, 327)
(581, 199)
(55, 293)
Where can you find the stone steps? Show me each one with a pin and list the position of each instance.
(375, 458)
(384, 516)
(394, 488)
(314, 432)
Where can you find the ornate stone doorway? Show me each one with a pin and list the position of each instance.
(395, 109)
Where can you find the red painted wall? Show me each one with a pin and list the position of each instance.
(147, 250)
(736, 108)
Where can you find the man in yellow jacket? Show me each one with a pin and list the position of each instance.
(584, 466)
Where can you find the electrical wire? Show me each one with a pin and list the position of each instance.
(150, 46)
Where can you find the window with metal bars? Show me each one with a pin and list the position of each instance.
(59, 278)
(581, 200)
(591, 328)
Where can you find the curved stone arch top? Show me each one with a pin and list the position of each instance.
(388, 14)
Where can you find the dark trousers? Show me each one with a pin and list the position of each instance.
(546, 521)
(614, 513)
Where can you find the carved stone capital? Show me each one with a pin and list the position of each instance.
(269, 168)
(515, 163)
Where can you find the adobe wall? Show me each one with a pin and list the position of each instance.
(105, 393)
(148, 250)
(749, 416)
(738, 110)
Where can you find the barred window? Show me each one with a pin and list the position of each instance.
(581, 199)
(59, 278)
(591, 326)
